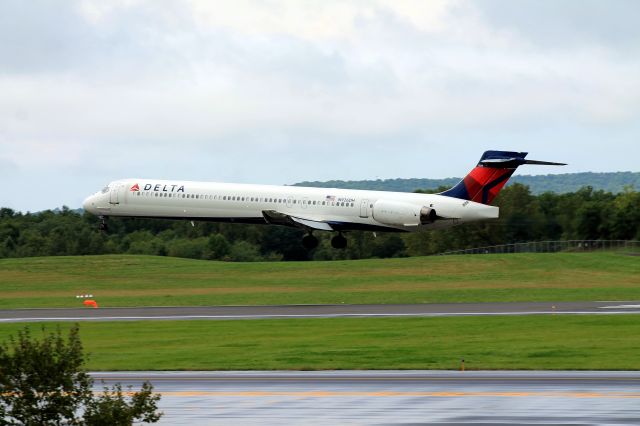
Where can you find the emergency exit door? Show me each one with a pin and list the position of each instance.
(364, 208)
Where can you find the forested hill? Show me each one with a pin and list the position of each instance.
(561, 184)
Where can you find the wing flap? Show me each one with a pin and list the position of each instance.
(313, 224)
(278, 218)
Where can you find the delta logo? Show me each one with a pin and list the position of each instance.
(158, 188)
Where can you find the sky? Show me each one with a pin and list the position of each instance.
(282, 91)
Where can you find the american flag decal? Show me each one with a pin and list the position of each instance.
(331, 197)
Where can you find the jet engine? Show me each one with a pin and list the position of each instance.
(402, 214)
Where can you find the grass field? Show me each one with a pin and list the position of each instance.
(162, 281)
(532, 342)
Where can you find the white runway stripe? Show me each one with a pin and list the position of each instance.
(359, 315)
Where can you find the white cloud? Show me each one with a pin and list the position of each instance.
(145, 87)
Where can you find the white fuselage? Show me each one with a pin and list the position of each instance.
(340, 209)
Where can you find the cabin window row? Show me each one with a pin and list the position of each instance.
(245, 199)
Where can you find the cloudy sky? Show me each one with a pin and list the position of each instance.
(280, 91)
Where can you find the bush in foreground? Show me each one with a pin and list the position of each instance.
(43, 382)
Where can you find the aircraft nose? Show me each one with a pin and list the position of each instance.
(87, 204)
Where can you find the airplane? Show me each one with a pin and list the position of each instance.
(314, 209)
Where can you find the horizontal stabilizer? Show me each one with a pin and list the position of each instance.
(513, 162)
(543, 163)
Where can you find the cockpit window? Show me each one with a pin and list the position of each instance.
(105, 189)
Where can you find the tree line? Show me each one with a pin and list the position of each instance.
(584, 214)
(559, 183)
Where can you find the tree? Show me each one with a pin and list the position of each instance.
(217, 247)
(112, 408)
(243, 251)
(389, 245)
(43, 382)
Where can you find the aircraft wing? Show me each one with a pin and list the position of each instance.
(278, 218)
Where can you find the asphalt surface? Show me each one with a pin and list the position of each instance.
(392, 397)
(318, 311)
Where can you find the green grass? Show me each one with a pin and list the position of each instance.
(162, 281)
(531, 342)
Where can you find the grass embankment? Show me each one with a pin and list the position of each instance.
(533, 342)
(162, 281)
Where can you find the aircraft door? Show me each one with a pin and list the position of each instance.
(364, 208)
(305, 201)
(113, 195)
(116, 194)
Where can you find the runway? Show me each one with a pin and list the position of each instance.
(392, 397)
(319, 311)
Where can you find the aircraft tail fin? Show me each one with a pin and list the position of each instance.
(494, 169)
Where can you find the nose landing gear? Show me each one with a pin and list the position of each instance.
(339, 242)
(102, 226)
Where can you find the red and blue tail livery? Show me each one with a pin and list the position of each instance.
(494, 169)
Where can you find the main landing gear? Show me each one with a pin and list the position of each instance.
(103, 224)
(339, 242)
(309, 242)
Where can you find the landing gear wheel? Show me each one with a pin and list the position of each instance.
(338, 242)
(103, 224)
(309, 242)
